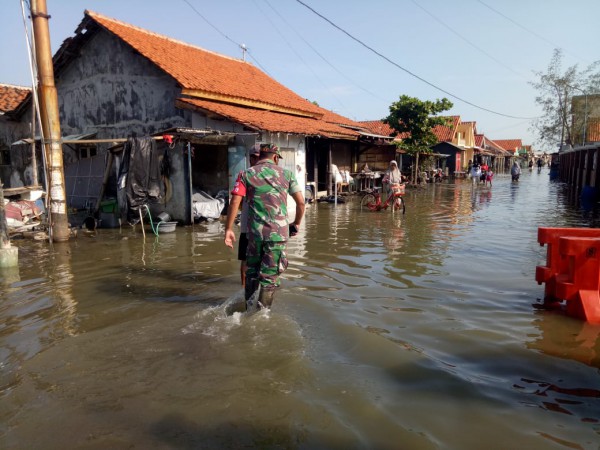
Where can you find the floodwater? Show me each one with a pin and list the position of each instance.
(390, 332)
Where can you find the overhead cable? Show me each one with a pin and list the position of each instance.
(308, 66)
(243, 47)
(319, 54)
(408, 71)
(524, 27)
(476, 47)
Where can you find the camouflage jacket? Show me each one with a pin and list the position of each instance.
(266, 187)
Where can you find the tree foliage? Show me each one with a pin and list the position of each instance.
(556, 88)
(414, 120)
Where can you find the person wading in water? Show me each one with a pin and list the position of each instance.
(266, 187)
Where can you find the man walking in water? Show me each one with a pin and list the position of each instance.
(266, 187)
(515, 171)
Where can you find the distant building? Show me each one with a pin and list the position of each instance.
(585, 113)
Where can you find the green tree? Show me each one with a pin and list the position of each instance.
(560, 122)
(414, 121)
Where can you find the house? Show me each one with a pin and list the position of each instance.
(585, 119)
(15, 122)
(204, 111)
(454, 141)
(451, 144)
(512, 146)
(495, 156)
(381, 151)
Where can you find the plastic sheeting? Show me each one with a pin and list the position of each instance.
(205, 206)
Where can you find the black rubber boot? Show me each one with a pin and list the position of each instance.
(250, 287)
(265, 298)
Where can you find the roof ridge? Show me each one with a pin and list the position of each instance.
(95, 15)
(15, 86)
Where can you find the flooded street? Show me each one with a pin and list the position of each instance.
(390, 332)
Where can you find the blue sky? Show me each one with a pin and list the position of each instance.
(482, 51)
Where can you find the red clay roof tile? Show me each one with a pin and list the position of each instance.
(378, 127)
(446, 133)
(269, 120)
(479, 140)
(443, 133)
(207, 73)
(11, 97)
(511, 145)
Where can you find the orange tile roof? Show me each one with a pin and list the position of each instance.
(479, 140)
(11, 97)
(209, 75)
(446, 133)
(382, 129)
(331, 117)
(511, 145)
(378, 127)
(269, 120)
(442, 133)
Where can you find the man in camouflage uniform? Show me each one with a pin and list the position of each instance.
(266, 187)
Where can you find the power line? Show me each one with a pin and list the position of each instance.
(408, 71)
(298, 54)
(476, 47)
(242, 46)
(320, 55)
(525, 28)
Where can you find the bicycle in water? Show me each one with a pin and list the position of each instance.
(372, 200)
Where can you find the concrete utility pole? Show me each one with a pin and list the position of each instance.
(59, 225)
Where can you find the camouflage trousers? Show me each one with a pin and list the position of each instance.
(266, 261)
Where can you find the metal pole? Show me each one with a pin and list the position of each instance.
(50, 121)
(34, 168)
(335, 192)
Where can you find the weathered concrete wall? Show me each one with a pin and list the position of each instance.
(19, 172)
(111, 90)
(201, 122)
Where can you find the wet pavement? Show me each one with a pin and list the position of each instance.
(390, 331)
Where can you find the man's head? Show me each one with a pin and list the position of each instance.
(270, 151)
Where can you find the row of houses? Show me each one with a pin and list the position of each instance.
(460, 144)
(203, 110)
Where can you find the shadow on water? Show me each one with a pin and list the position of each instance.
(164, 285)
(182, 433)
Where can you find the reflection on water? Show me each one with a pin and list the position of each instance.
(391, 331)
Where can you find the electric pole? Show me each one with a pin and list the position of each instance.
(57, 214)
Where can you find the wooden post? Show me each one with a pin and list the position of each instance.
(109, 164)
(59, 226)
